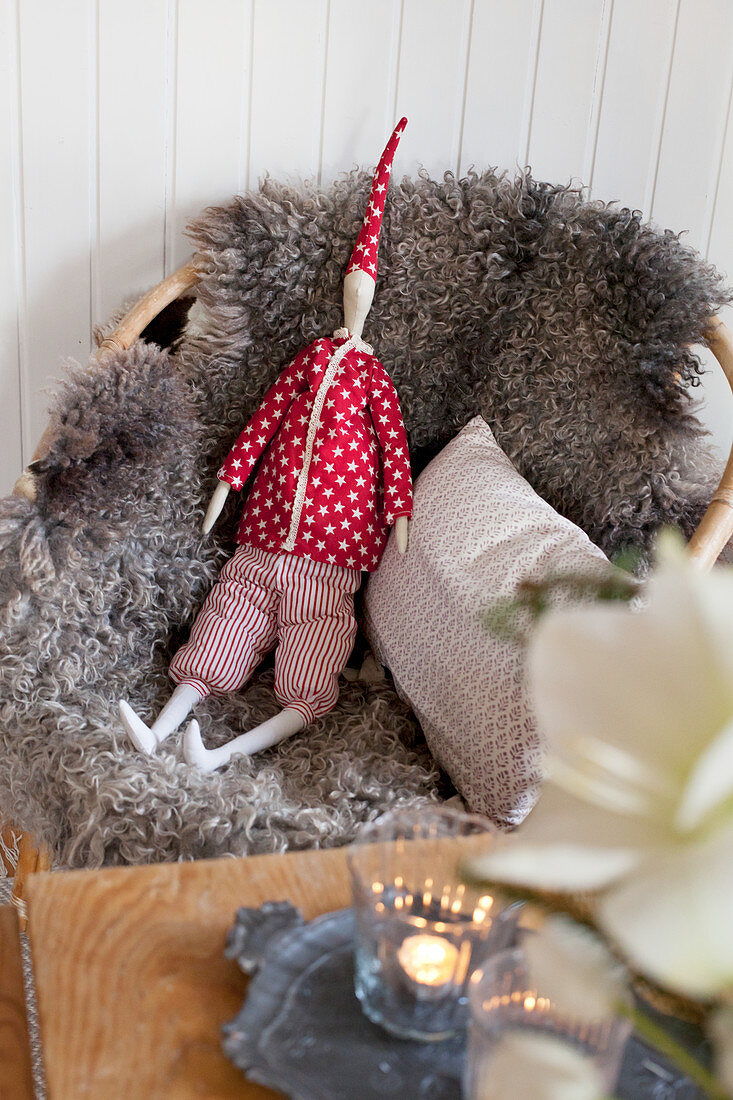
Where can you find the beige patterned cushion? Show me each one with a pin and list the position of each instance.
(478, 529)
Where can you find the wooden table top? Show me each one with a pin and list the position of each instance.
(132, 983)
(16, 1081)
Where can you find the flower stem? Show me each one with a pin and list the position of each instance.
(662, 1041)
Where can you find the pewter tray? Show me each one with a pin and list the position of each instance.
(301, 1030)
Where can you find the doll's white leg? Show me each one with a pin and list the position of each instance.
(264, 736)
(178, 707)
(141, 735)
(147, 738)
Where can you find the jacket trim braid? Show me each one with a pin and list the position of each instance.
(313, 426)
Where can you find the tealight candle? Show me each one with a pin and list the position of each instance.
(520, 1038)
(420, 929)
(428, 960)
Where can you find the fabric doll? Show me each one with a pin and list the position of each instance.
(333, 477)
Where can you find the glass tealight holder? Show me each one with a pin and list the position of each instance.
(421, 930)
(506, 1003)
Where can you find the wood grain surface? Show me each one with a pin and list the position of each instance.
(132, 984)
(16, 1082)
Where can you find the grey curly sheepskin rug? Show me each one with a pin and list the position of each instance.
(566, 324)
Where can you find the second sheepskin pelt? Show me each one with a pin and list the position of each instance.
(568, 325)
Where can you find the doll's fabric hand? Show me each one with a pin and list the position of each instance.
(215, 506)
(401, 530)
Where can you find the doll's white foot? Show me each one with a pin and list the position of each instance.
(142, 738)
(195, 753)
(264, 736)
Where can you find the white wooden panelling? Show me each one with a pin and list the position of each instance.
(690, 154)
(500, 65)
(359, 105)
(131, 188)
(212, 110)
(717, 410)
(695, 117)
(431, 81)
(289, 61)
(121, 119)
(11, 289)
(563, 90)
(57, 97)
(633, 94)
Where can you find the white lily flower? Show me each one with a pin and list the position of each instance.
(637, 708)
(572, 967)
(539, 1066)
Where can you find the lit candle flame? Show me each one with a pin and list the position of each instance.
(428, 960)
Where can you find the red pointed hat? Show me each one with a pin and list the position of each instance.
(364, 256)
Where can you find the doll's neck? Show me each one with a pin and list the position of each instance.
(359, 344)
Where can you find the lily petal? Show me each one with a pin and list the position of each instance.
(568, 844)
(539, 1066)
(574, 968)
(673, 917)
(710, 783)
(650, 682)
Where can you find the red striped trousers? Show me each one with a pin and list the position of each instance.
(260, 599)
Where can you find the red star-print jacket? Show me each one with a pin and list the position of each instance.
(335, 471)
